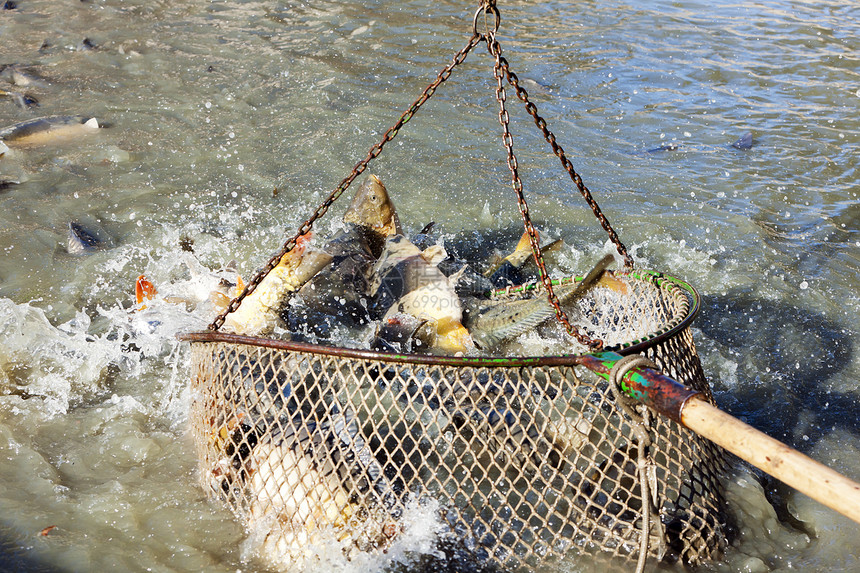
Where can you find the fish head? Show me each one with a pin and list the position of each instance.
(372, 207)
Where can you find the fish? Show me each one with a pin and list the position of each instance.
(491, 322)
(48, 130)
(744, 142)
(312, 477)
(372, 207)
(511, 270)
(81, 241)
(22, 100)
(144, 290)
(18, 76)
(259, 312)
(408, 280)
(339, 293)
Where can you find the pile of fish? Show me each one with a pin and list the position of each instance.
(372, 283)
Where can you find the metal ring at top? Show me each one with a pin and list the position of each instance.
(486, 8)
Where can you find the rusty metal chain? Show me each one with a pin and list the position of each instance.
(356, 171)
(500, 69)
(523, 95)
(508, 141)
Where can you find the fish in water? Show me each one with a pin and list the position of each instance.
(408, 280)
(671, 146)
(21, 100)
(81, 241)
(744, 142)
(48, 130)
(18, 76)
(492, 322)
(260, 310)
(339, 293)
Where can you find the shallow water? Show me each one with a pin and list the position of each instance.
(212, 106)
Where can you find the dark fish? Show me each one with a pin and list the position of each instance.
(9, 5)
(339, 293)
(671, 146)
(81, 241)
(744, 142)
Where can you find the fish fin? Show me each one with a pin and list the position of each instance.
(613, 283)
(92, 123)
(240, 284)
(397, 228)
(455, 278)
(219, 300)
(452, 337)
(144, 289)
(523, 250)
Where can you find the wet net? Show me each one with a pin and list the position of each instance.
(525, 460)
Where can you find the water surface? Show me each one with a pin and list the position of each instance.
(227, 122)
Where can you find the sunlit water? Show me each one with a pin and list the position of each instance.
(212, 106)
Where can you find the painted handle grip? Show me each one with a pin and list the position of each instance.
(674, 400)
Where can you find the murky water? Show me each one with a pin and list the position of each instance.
(212, 106)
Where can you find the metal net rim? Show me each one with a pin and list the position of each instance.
(674, 286)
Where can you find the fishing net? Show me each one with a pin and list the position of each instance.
(523, 460)
(526, 460)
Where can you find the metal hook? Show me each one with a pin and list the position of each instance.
(487, 7)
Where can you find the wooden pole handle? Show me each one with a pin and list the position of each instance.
(772, 456)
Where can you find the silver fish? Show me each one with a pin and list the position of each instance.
(81, 241)
(408, 280)
(492, 322)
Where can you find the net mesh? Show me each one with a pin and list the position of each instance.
(527, 459)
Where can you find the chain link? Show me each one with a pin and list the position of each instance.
(522, 94)
(508, 141)
(356, 171)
